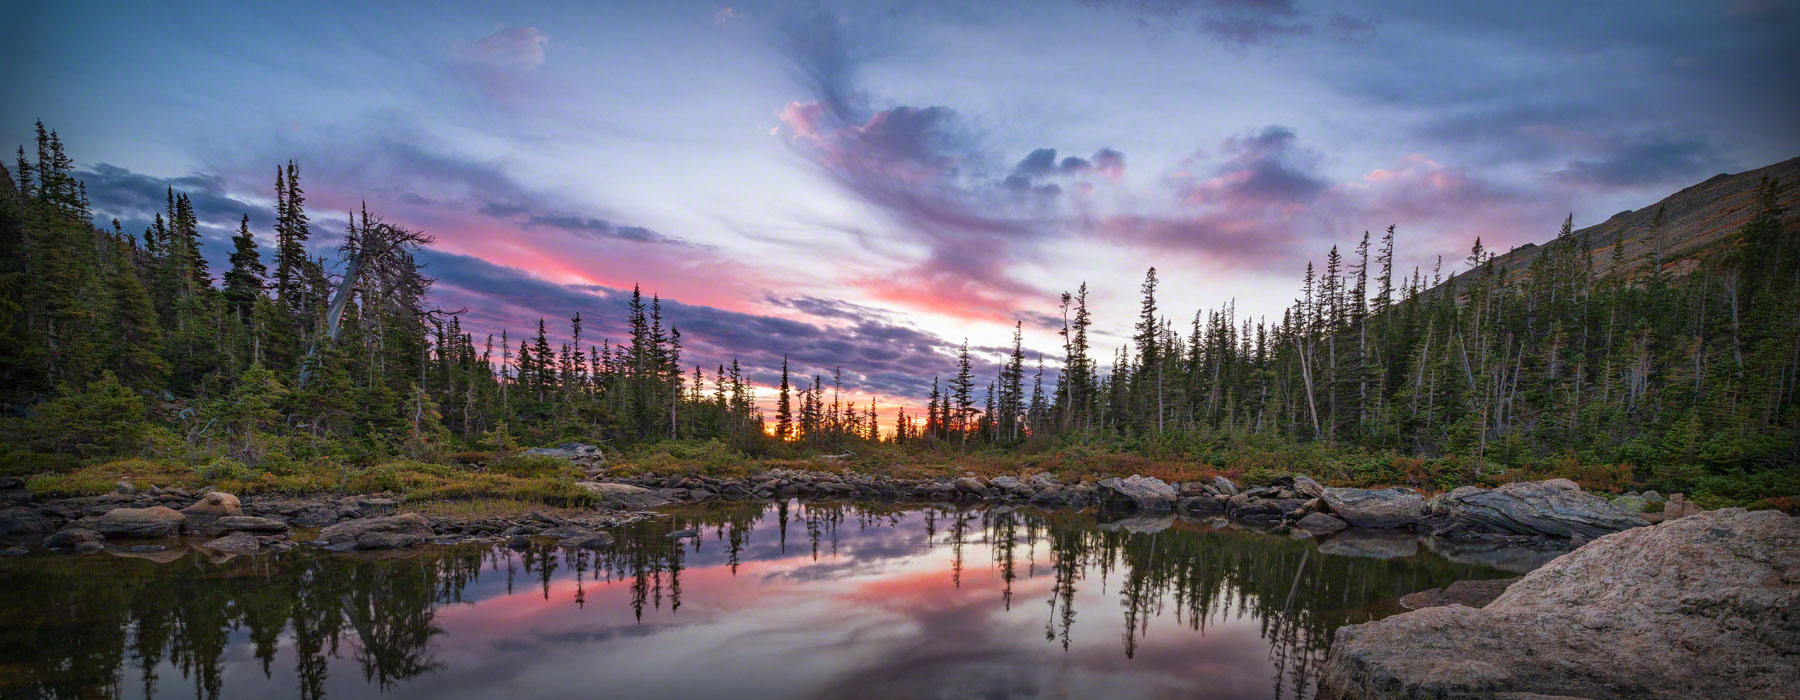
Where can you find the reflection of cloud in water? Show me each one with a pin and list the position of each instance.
(840, 602)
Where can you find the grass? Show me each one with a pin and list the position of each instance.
(478, 478)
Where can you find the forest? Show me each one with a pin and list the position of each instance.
(306, 369)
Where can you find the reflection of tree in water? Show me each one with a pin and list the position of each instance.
(78, 622)
(75, 619)
(1201, 575)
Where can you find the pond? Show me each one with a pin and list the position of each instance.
(771, 600)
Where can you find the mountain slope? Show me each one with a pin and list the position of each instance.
(1699, 222)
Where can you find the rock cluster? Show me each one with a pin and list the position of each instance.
(1703, 606)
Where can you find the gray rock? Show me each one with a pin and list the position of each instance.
(17, 550)
(1630, 503)
(1376, 508)
(581, 454)
(248, 523)
(1321, 524)
(683, 534)
(1305, 486)
(140, 523)
(1224, 486)
(392, 532)
(89, 547)
(1138, 493)
(1699, 607)
(235, 543)
(22, 521)
(519, 543)
(1652, 497)
(624, 496)
(71, 538)
(1556, 507)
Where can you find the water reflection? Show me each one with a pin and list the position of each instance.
(780, 600)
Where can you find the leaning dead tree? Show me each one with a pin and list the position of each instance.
(381, 270)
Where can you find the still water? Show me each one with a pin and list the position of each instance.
(783, 600)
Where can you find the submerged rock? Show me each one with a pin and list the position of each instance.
(72, 538)
(1370, 544)
(1472, 594)
(1556, 507)
(154, 522)
(596, 541)
(1321, 524)
(1140, 524)
(235, 543)
(1376, 508)
(393, 532)
(1137, 492)
(22, 521)
(1700, 607)
(248, 523)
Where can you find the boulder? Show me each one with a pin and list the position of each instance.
(392, 532)
(215, 504)
(623, 496)
(1556, 507)
(1472, 594)
(1224, 486)
(1678, 506)
(72, 538)
(519, 543)
(971, 486)
(1321, 524)
(22, 521)
(140, 523)
(1305, 486)
(1137, 493)
(1201, 505)
(1699, 607)
(235, 543)
(1376, 508)
(247, 523)
(581, 454)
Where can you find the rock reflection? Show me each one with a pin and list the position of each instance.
(911, 579)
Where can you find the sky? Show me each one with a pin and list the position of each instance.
(866, 185)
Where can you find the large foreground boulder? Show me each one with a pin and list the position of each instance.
(624, 496)
(1557, 507)
(1376, 508)
(1701, 607)
(1137, 493)
(393, 532)
(151, 523)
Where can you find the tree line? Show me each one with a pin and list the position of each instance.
(1585, 353)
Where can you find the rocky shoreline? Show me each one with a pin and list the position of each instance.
(1552, 514)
